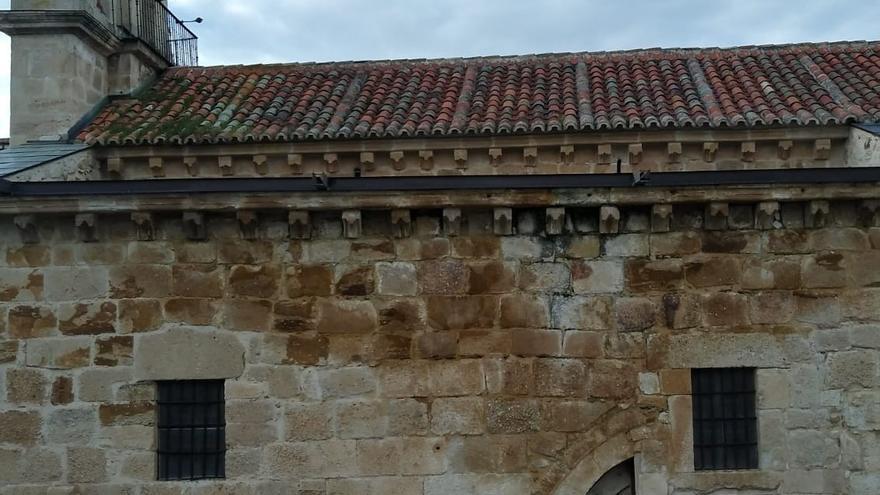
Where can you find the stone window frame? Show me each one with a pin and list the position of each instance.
(191, 430)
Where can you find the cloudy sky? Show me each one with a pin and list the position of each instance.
(264, 31)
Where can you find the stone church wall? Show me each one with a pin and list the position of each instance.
(438, 364)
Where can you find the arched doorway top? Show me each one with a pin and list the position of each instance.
(592, 467)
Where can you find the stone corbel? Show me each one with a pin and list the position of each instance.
(114, 165)
(717, 215)
(661, 218)
(603, 154)
(747, 151)
(768, 215)
(495, 155)
(368, 160)
(192, 165)
(86, 225)
(157, 167)
(401, 223)
(502, 221)
(261, 164)
(144, 225)
(530, 156)
(783, 149)
(554, 222)
(566, 154)
(869, 212)
(194, 225)
(248, 224)
(224, 163)
(822, 149)
(27, 228)
(817, 214)
(426, 159)
(710, 149)
(331, 162)
(452, 221)
(295, 162)
(298, 224)
(397, 160)
(351, 224)
(673, 152)
(461, 157)
(634, 152)
(609, 219)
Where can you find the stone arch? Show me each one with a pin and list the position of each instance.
(614, 438)
(591, 467)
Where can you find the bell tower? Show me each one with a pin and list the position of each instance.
(70, 56)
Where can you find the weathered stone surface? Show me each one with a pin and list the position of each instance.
(396, 279)
(19, 427)
(853, 369)
(87, 318)
(448, 276)
(491, 277)
(560, 378)
(130, 281)
(715, 350)
(331, 459)
(197, 281)
(461, 312)
(581, 313)
(726, 309)
(74, 284)
(187, 353)
(253, 280)
(62, 391)
(86, 465)
(21, 285)
(25, 386)
(406, 456)
(58, 353)
(346, 316)
(713, 271)
(523, 311)
(139, 315)
(825, 270)
(589, 277)
(309, 280)
(633, 314)
(458, 416)
(8, 351)
(75, 426)
(657, 275)
(545, 277)
(31, 321)
(249, 315)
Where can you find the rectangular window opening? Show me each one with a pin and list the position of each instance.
(725, 419)
(192, 430)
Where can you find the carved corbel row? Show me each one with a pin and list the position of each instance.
(636, 153)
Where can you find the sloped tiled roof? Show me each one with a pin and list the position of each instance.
(788, 85)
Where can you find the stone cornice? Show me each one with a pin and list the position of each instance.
(655, 151)
(79, 23)
(315, 201)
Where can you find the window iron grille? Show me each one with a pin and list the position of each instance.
(725, 420)
(192, 430)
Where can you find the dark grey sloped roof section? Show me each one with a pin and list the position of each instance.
(872, 128)
(18, 158)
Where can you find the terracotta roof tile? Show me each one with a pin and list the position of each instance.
(789, 85)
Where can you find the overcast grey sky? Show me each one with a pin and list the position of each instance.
(265, 31)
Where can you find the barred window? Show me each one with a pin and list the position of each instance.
(725, 422)
(192, 430)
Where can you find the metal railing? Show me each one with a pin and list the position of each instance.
(152, 23)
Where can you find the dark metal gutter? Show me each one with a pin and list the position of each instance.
(436, 183)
